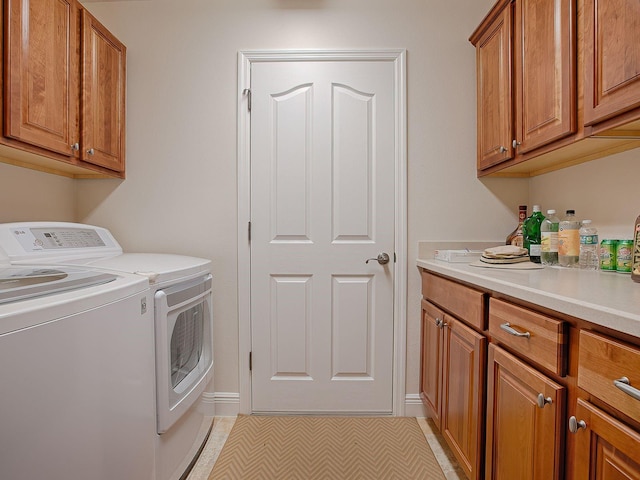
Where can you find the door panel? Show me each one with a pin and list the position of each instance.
(322, 202)
(544, 72)
(524, 440)
(612, 78)
(103, 96)
(41, 73)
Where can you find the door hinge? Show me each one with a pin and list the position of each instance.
(394, 257)
(249, 231)
(247, 92)
(250, 361)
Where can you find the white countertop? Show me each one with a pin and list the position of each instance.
(608, 299)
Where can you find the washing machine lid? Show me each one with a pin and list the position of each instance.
(20, 283)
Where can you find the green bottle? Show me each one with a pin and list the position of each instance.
(531, 233)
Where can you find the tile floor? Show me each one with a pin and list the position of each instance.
(222, 427)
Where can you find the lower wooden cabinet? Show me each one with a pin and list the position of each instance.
(431, 361)
(520, 392)
(606, 449)
(452, 384)
(525, 421)
(464, 367)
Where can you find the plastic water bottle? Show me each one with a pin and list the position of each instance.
(569, 240)
(549, 239)
(589, 255)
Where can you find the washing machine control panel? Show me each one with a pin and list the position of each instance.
(49, 238)
(23, 241)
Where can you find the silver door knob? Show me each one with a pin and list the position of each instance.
(90, 151)
(382, 259)
(542, 401)
(75, 146)
(575, 424)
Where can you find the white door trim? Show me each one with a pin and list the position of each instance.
(245, 60)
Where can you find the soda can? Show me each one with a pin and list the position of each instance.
(608, 255)
(624, 250)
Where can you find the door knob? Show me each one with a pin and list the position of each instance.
(575, 424)
(382, 259)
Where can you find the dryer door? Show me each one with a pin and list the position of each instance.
(184, 347)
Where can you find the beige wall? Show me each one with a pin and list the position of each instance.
(28, 195)
(180, 192)
(603, 190)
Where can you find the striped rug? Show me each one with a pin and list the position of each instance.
(326, 448)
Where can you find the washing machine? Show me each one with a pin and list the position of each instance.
(77, 370)
(180, 289)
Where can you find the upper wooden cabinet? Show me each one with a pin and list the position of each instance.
(103, 96)
(525, 58)
(544, 61)
(557, 84)
(495, 100)
(64, 90)
(41, 65)
(611, 57)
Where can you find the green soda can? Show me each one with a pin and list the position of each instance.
(608, 255)
(624, 251)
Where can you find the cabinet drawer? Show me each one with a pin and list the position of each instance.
(603, 361)
(464, 302)
(540, 338)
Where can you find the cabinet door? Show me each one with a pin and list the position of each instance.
(612, 58)
(464, 370)
(606, 449)
(41, 73)
(525, 427)
(433, 320)
(544, 61)
(495, 106)
(103, 96)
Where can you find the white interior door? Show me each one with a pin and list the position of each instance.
(323, 177)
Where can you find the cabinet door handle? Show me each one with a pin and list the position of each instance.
(502, 149)
(542, 401)
(512, 331)
(75, 146)
(90, 151)
(625, 385)
(516, 143)
(440, 323)
(575, 424)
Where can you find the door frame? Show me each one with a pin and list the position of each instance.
(245, 59)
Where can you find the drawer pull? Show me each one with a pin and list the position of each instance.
(543, 401)
(624, 385)
(575, 425)
(512, 331)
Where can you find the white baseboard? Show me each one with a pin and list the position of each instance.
(413, 406)
(227, 404)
